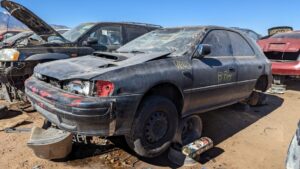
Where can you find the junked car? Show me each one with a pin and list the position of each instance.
(147, 88)
(283, 49)
(16, 64)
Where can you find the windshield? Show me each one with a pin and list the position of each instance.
(291, 35)
(73, 34)
(175, 40)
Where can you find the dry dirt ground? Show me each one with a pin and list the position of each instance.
(255, 138)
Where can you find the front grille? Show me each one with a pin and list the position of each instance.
(285, 56)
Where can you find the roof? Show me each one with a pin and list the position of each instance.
(128, 23)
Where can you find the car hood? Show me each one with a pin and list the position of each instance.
(33, 22)
(88, 67)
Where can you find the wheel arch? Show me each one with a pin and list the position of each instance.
(262, 83)
(168, 90)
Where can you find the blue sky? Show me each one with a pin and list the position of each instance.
(258, 15)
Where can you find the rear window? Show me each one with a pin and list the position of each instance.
(287, 35)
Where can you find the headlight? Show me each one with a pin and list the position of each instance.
(9, 55)
(79, 87)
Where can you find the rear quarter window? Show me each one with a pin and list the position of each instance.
(240, 47)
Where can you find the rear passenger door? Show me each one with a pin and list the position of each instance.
(214, 75)
(248, 66)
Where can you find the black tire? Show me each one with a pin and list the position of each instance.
(191, 129)
(257, 99)
(154, 127)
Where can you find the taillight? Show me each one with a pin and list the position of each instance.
(104, 88)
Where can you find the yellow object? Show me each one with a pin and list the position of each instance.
(9, 55)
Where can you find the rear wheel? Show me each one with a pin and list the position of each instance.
(257, 99)
(154, 127)
(191, 129)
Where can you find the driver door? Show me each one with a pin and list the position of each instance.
(215, 75)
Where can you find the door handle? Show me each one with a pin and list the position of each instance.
(260, 67)
(231, 69)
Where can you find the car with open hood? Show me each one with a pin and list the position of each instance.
(16, 64)
(148, 87)
(283, 49)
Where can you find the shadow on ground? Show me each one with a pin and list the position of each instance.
(217, 125)
(224, 123)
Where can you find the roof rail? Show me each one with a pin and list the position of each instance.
(144, 24)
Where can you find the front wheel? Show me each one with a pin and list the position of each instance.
(154, 127)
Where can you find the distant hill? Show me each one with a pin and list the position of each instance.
(14, 24)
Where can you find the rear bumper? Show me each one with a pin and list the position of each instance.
(286, 68)
(79, 114)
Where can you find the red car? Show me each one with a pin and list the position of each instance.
(283, 50)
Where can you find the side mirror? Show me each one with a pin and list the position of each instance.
(202, 50)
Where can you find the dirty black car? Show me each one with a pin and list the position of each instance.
(16, 64)
(150, 86)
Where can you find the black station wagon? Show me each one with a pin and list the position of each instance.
(152, 88)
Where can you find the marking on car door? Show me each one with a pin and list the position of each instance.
(224, 76)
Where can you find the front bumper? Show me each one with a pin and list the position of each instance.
(286, 68)
(84, 115)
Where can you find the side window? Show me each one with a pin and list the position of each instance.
(134, 32)
(240, 46)
(108, 35)
(220, 43)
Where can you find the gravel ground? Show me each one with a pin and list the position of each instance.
(244, 138)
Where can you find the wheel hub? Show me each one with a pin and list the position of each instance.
(156, 127)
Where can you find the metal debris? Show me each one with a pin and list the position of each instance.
(277, 89)
(12, 122)
(51, 143)
(189, 155)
